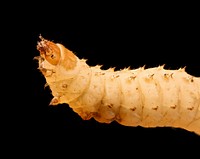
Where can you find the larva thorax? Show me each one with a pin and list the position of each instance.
(147, 97)
(64, 77)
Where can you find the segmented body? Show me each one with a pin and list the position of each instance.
(149, 97)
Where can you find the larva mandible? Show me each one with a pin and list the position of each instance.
(147, 97)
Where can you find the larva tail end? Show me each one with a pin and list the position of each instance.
(49, 51)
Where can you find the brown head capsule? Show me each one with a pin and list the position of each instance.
(49, 51)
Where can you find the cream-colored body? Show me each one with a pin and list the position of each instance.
(141, 97)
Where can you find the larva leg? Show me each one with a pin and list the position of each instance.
(139, 97)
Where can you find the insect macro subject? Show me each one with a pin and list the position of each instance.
(147, 97)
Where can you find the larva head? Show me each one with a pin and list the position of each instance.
(56, 54)
(62, 70)
(49, 51)
(56, 61)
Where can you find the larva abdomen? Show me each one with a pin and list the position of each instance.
(133, 97)
(169, 98)
(149, 97)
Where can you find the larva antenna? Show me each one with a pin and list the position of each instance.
(41, 38)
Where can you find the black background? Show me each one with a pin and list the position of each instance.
(113, 36)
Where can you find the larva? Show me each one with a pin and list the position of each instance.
(147, 97)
